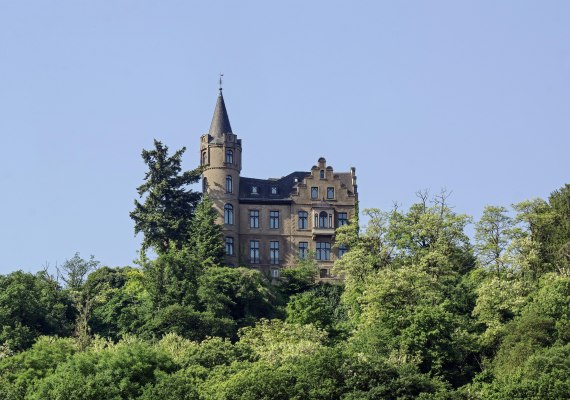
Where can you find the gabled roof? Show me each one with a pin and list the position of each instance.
(220, 121)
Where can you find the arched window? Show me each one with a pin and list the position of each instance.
(323, 218)
(204, 158)
(228, 184)
(204, 185)
(230, 156)
(229, 214)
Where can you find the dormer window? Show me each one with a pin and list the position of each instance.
(322, 174)
(273, 189)
(230, 156)
(254, 190)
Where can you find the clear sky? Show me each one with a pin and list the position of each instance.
(473, 96)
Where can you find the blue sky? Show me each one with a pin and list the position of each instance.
(473, 96)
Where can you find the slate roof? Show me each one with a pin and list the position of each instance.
(285, 186)
(220, 121)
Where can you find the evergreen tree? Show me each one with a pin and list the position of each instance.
(165, 216)
(206, 240)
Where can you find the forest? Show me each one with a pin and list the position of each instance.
(425, 311)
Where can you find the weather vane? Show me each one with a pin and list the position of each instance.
(221, 75)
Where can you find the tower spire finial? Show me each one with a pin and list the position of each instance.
(221, 76)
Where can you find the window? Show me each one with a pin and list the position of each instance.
(303, 217)
(323, 251)
(254, 190)
(330, 193)
(229, 184)
(342, 219)
(273, 219)
(275, 273)
(204, 158)
(314, 193)
(273, 189)
(254, 251)
(322, 174)
(274, 252)
(323, 218)
(230, 246)
(323, 273)
(229, 214)
(342, 250)
(254, 218)
(204, 185)
(303, 250)
(230, 156)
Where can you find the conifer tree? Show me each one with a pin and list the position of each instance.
(165, 216)
(206, 240)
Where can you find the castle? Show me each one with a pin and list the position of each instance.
(269, 223)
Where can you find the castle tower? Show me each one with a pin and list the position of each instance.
(220, 154)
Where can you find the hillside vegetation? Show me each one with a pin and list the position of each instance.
(424, 311)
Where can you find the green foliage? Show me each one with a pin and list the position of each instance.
(276, 341)
(492, 235)
(320, 307)
(115, 372)
(172, 278)
(21, 371)
(417, 317)
(125, 306)
(31, 306)
(300, 277)
(74, 271)
(242, 294)
(166, 214)
(188, 323)
(206, 241)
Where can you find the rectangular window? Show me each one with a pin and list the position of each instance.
(274, 252)
(330, 193)
(342, 250)
(303, 220)
(229, 184)
(314, 193)
(323, 251)
(275, 273)
(274, 219)
(230, 246)
(254, 218)
(254, 251)
(342, 219)
(303, 250)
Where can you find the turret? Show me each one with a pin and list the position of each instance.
(220, 154)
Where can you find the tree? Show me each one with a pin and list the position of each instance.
(206, 240)
(73, 273)
(172, 278)
(300, 277)
(241, 294)
(31, 306)
(165, 216)
(492, 235)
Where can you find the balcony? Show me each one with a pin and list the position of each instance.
(323, 231)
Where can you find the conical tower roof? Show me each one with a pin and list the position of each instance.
(220, 121)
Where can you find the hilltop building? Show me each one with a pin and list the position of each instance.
(269, 223)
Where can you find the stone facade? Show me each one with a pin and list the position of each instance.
(269, 223)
